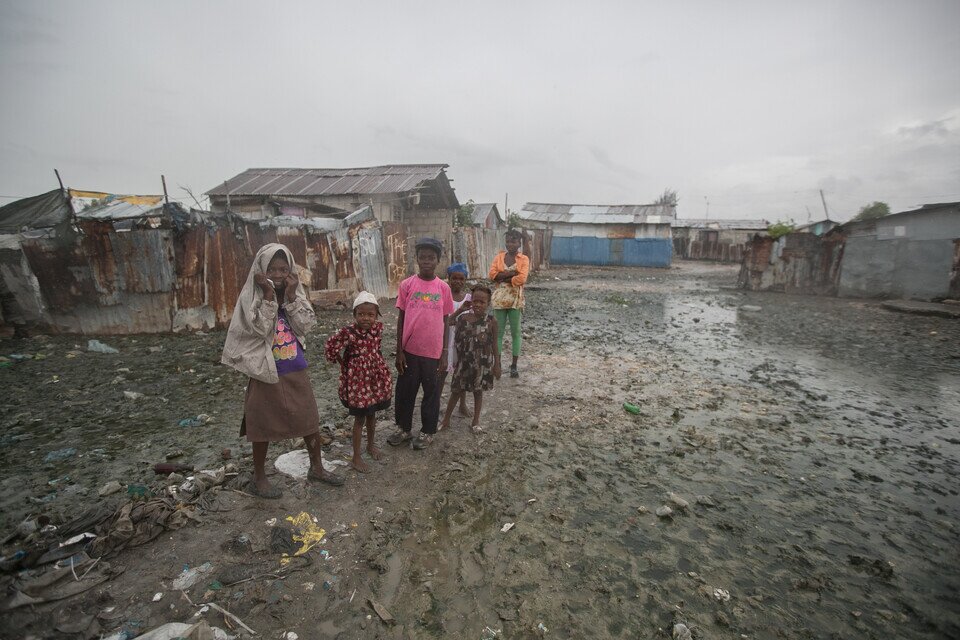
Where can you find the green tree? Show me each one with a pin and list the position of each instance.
(780, 229)
(873, 210)
(464, 215)
(668, 197)
(514, 221)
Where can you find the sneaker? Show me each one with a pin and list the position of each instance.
(398, 437)
(513, 372)
(423, 441)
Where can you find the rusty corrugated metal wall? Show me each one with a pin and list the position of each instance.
(794, 263)
(477, 247)
(178, 272)
(718, 245)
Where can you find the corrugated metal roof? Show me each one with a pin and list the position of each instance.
(710, 223)
(391, 178)
(598, 214)
(482, 210)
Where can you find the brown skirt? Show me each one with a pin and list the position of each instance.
(280, 411)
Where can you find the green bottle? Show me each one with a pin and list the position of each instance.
(631, 408)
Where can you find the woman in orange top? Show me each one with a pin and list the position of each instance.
(509, 273)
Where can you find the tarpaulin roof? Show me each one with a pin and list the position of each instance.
(37, 212)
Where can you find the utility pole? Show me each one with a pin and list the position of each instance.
(506, 205)
(227, 189)
(824, 201)
(707, 204)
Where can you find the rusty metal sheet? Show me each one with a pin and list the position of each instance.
(144, 260)
(395, 242)
(227, 262)
(62, 273)
(625, 231)
(373, 272)
(319, 258)
(188, 263)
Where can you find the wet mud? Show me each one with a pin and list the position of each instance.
(791, 473)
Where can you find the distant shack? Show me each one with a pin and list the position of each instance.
(625, 235)
(714, 240)
(907, 255)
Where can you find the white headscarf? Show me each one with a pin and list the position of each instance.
(249, 338)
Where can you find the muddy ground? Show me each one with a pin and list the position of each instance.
(811, 448)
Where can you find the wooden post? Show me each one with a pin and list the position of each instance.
(59, 180)
(227, 189)
(166, 198)
(824, 200)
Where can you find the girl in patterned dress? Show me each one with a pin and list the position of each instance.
(365, 383)
(478, 362)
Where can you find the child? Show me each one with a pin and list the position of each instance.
(509, 273)
(478, 361)
(457, 279)
(365, 384)
(425, 302)
(266, 342)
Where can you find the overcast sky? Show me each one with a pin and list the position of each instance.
(753, 106)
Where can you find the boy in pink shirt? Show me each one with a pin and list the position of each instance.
(424, 301)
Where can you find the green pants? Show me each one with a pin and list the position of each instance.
(502, 316)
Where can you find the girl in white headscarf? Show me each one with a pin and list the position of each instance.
(265, 341)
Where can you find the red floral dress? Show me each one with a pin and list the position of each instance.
(365, 383)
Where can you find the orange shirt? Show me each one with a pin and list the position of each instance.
(522, 264)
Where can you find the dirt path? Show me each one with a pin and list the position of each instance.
(808, 451)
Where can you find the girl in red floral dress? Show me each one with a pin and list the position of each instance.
(365, 383)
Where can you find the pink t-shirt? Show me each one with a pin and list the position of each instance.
(424, 303)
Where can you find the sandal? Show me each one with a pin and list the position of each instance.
(476, 428)
(398, 437)
(273, 493)
(324, 476)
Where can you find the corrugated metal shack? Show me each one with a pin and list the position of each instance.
(716, 240)
(794, 263)
(911, 254)
(487, 215)
(131, 264)
(476, 247)
(631, 235)
(420, 196)
(903, 255)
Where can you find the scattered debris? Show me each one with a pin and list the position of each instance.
(189, 577)
(60, 454)
(664, 511)
(98, 347)
(381, 611)
(506, 527)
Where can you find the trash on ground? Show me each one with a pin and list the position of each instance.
(177, 630)
(507, 527)
(681, 632)
(132, 395)
(157, 597)
(98, 347)
(189, 577)
(750, 307)
(196, 421)
(307, 533)
(110, 488)
(721, 594)
(381, 611)
(664, 511)
(296, 464)
(60, 454)
(631, 408)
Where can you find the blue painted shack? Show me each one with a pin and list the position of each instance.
(637, 235)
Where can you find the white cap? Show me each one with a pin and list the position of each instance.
(364, 297)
